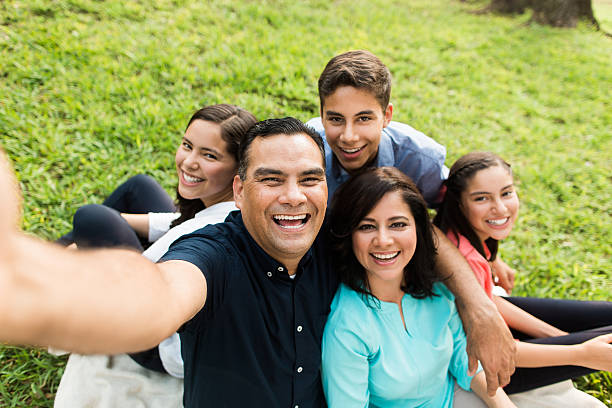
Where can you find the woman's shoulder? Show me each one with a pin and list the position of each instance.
(348, 304)
(440, 290)
(442, 303)
(463, 245)
(351, 321)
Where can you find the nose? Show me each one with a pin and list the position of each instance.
(191, 161)
(500, 206)
(292, 194)
(383, 238)
(349, 135)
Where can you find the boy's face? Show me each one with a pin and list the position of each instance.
(353, 121)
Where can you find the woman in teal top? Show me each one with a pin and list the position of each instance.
(393, 337)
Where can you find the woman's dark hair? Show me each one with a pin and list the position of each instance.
(234, 123)
(450, 215)
(353, 201)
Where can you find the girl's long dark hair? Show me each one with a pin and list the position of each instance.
(450, 216)
(353, 201)
(234, 123)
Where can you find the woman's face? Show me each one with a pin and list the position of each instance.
(205, 168)
(490, 203)
(385, 240)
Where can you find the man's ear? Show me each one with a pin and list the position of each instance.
(388, 114)
(238, 191)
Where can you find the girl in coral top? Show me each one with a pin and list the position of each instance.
(559, 339)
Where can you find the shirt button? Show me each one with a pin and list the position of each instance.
(299, 329)
(300, 369)
(269, 274)
(280, 269)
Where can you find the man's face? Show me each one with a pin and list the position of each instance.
(353, 121)
(284, 195)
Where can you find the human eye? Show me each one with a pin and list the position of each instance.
(271, 180)
(480, 198)
(186, 145)
(336, 120)
(398, 225)
(364, 118)
(210, 156)
(508, 193)
(311, 180)
(366, 227)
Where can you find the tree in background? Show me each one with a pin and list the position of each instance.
(556, 13)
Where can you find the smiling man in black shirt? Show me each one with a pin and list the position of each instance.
(257, 340)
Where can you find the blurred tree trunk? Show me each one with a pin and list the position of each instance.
(556, 13)
(509, 6)
(562, 13)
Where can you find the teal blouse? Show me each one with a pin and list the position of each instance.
(370, 360)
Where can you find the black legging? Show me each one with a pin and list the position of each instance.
(101, 226)
(584, 320)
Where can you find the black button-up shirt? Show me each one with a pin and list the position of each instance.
(257, 340)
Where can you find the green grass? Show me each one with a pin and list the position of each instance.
(92, 92)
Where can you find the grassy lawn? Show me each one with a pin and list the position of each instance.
(92, 92)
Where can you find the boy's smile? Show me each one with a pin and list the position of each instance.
(353, 121)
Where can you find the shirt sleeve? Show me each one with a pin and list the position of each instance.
(317, 125)
(420, 157)
(459, 361)
(211, 257)
(159, 224)
(482, 272)
(345, 366)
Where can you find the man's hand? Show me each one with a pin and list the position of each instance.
(489, 341)
(10, 203)
(503, 273)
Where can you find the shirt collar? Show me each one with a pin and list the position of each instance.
(262, 260)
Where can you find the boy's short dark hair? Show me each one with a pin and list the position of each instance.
(359, 69)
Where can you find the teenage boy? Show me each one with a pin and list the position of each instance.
(355, 122)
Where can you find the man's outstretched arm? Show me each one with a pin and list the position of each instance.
(104, 301)
(488, 338)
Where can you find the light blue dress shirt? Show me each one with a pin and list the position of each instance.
(420, 157)
(370, 360)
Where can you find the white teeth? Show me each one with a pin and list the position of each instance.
(291, 226)
(385, 256)
(190, 179)
(351, 150)
(501, 221)
(289, 217)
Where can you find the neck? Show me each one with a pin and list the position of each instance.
(227, 195)
(386, 291)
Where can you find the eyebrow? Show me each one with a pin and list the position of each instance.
(210, 149)
(313, 172)
(398, 217)
(363, 112)
(264, 171)
(486, 192)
